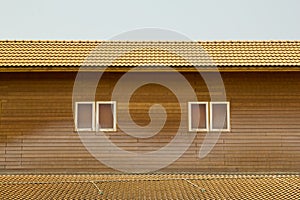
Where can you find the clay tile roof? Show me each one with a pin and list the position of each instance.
(150, 186)
(149, 53)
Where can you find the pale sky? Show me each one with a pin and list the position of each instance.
(197, 19)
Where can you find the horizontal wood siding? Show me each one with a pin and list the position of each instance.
(37, 129)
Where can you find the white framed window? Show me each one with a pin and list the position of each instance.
(85, 116)
(198, 116)
(219, 116)
(106, 116)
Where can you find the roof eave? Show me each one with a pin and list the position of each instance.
(289, 68)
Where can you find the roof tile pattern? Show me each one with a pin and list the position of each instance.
(254, 53)
(147, 53)
(150, 186)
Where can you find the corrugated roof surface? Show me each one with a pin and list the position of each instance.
(147, 53)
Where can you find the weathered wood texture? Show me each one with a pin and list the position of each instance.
(37, 129)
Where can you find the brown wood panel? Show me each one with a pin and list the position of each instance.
(37, 129)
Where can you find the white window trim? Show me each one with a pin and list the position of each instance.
(114, 116)
(228, 116)
(93, 116)
(190, 117)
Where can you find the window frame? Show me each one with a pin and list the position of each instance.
(190, 116)
(114, 128)
(227, 103)
(93, 116)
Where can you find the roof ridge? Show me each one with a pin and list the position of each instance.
(52, 41)
(150, 41)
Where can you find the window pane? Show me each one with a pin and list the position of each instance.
(106, 119)
(219, 116)
(85, 116)
(198, 116)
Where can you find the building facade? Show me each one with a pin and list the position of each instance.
(256, 113)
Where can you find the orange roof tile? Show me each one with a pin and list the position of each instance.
(149, 53)
(150, 186)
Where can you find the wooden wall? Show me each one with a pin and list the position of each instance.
(37, 129)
